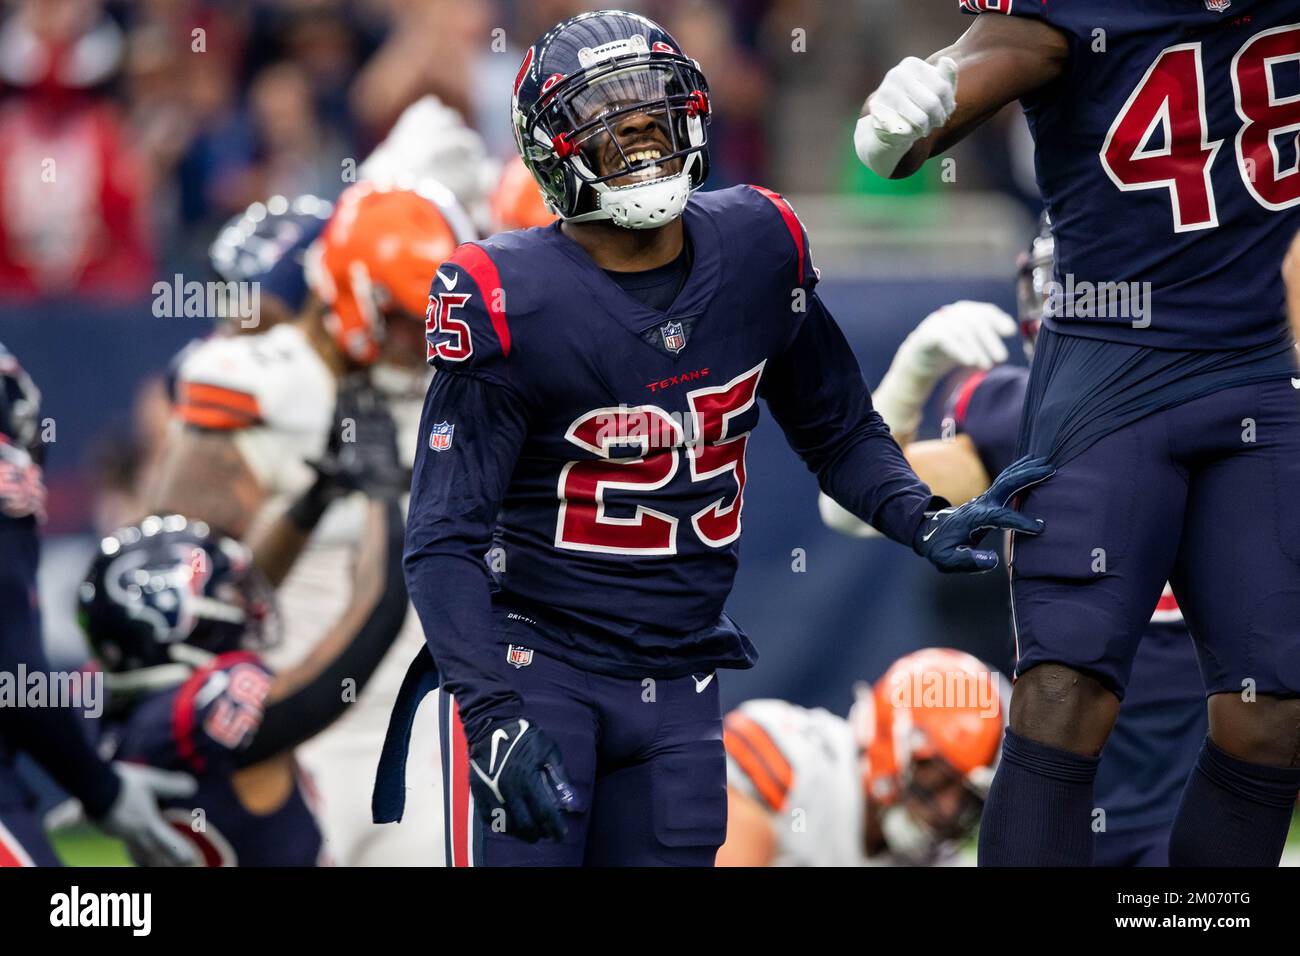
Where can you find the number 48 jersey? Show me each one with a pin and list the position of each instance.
(613, 436)
(1167, 153)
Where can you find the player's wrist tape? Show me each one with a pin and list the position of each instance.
(879, 155)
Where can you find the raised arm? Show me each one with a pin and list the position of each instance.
(924, 107)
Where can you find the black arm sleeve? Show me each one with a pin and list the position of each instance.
(817, 395)
(307, 711)
(50, 735)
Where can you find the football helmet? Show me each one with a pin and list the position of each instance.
(20, 407)
(930, 733)
(611, 119)
(266, 244)
(166, 595)
(377, 256)
(517, 203)
(1034, 275)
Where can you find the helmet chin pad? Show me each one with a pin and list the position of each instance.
(646, 205)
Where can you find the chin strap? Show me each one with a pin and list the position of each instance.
(641, 205)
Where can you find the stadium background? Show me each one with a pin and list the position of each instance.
(181, 112)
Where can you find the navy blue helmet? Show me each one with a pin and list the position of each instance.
(20, 407)
(169, 591)
(611, 118)
(266, 242)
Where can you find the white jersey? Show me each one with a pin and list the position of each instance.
(293, 395)
(802, 766)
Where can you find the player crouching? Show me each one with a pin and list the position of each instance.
(177, 616)
(901, 782)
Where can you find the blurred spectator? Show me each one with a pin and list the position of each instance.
(73, 191)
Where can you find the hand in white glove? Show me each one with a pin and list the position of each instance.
(965, 334)
(914, 99)
(134, 816)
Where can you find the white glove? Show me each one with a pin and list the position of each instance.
(915, 99)
(134, 816)
(962, 334)
(841, 519)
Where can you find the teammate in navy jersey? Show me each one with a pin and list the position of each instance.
(1161, 723)
(1161, 389)
(119, 797)
(597, 387)
(177, 615)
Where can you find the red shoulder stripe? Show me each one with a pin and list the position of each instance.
(484, 272)
(965, 394)
(791, 222)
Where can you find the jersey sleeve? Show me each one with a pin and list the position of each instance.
(218, 711)
(791, 238)
(218, 388)
(1033, 9)
(467, 327)
(757, 765)
(986, 406)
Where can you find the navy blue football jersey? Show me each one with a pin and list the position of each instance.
(1167, 154)
(199, 727)
(599, 444)
(1162, 719)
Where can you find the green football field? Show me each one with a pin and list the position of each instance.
(86, 846)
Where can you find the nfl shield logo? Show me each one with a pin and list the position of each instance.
(1217, 6)
(674, 336)
(519, 656)
(440, 436)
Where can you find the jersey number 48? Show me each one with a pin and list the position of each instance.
(1171, 97)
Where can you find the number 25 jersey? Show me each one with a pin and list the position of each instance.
(614, 435)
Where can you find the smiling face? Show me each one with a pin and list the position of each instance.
(634, 106)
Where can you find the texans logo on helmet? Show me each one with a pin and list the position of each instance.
(440, 436)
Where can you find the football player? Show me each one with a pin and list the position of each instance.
(597, 387)
(119, 797)
(1161, 390)
(178, 616)
(899, 783)
(1161, 723)
(254, 410)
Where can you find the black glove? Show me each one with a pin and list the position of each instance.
(947, 538)
(361, 455)
(519, 783)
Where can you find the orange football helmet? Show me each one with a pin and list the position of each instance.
(935, 703)
(517, 203)
(377, 257)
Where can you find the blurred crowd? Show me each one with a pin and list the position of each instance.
(131, 129)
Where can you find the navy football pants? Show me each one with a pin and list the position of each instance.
(1205, 494)
(645, 758)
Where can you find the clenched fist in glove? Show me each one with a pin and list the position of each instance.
(915, 99)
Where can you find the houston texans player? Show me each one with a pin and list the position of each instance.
(179, 616)
(597, 387)
(119, 797)
(1161, 722)
(1161, 389)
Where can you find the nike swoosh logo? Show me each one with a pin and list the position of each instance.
(701, 684)
(497, 737)
(449, 283)
(945, 511)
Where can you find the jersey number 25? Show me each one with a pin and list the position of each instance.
(583, 525)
